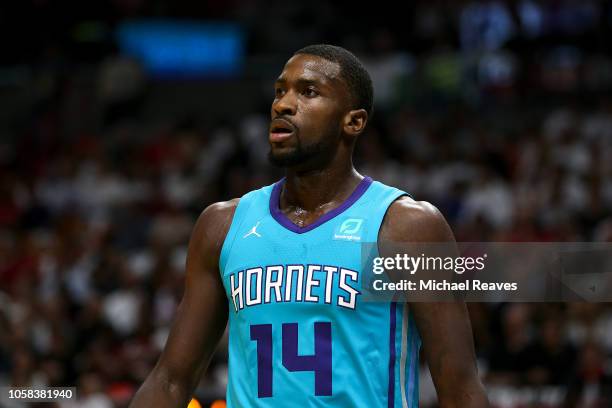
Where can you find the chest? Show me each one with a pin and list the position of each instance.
(267, 263)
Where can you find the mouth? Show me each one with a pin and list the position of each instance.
(281, 130)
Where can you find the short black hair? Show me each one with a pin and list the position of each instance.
(352, 72)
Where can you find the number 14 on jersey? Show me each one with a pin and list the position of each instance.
(320, 362)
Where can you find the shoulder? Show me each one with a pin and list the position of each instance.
(212, 226)
(219, 210)
(415, 221)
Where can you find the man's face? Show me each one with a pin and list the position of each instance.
(307, 111)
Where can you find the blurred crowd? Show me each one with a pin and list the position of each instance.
(497, 112)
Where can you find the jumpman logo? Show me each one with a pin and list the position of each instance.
(253, 231)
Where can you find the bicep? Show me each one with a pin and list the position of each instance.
(444, 327)
(199, 324)
(202, 314)
(447, 340)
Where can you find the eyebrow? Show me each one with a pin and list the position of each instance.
(301, 81)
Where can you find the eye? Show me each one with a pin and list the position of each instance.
(279, 92)
(310, 92)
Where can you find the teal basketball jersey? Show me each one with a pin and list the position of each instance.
(299, 333)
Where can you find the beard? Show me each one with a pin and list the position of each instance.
(299, 155)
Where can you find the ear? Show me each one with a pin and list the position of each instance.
(355, 122)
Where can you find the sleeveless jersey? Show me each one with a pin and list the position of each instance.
(299, 335)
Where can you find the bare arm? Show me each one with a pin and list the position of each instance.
(444, 327)
(200, 320)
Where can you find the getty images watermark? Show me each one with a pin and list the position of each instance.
(487, 272)
(406, 264)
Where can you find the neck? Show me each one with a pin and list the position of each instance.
(316, 189)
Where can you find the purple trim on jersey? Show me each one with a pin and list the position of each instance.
(282, 219)
(391, 400)
(413, 357)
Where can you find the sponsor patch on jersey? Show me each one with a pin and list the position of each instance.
(350, 229)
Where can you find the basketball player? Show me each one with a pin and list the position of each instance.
(282, 263)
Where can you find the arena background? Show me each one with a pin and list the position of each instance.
(121, 120)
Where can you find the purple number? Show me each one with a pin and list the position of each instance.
(320, 362)
(262, 334)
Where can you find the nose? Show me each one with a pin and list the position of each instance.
(285, 104)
